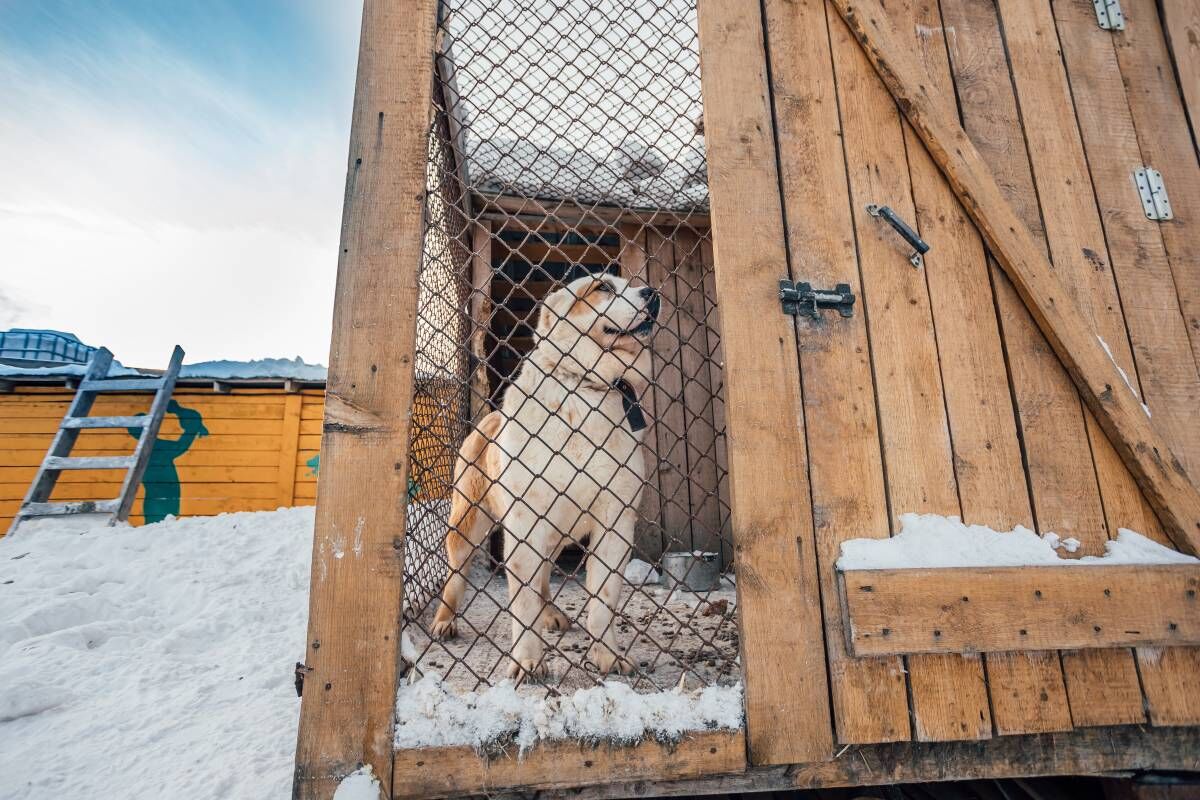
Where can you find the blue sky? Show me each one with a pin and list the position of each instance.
(172, 172)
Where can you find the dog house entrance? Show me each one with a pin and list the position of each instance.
(560, 242)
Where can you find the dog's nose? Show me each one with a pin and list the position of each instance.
(647, 292)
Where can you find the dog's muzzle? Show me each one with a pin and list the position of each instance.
(653, 304)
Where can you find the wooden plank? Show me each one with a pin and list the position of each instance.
(1181, 23)
(346, 717)
(460, 771)
(186, 474)
(1056, 446)
(716, 369)
(121, 385)
(49, 426)
(648, 539)
(105, 422)
(194, 458)
(1078, 252)
(787, 701)
(1166, 369)
(696, 394)
(870, 701)
(207, 491)
(1121, 749)
(289, 440)
(480, 322)
(997, 609)
(112, 406)
(1027, 691)
(1145, 453)
(948, 692)
(669, 458)
(89, 462)
(1161, 122)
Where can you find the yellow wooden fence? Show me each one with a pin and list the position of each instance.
(249, 450)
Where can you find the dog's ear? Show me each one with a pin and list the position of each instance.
(559, 304)
(555, 306)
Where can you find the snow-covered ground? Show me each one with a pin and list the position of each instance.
(153, 662)
(157, 662)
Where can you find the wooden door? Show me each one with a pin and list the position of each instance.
(978, 383)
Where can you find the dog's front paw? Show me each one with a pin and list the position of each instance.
(607, 661)
(527, 669)
(444, 628)
(554, 620)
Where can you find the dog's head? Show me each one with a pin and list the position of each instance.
(599, 311)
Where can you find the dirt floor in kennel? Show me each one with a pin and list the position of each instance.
(671, 637)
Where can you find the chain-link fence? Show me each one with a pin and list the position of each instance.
(568, 510)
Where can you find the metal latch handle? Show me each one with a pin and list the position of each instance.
(920, 247)
(801, 299)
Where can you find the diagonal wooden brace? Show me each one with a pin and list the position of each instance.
(1158, 472)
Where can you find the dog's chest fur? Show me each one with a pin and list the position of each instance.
(572, 435)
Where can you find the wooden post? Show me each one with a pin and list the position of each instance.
(289, 445)
(782, 647)
(1158, 472)
(352, 651)
(481, 317)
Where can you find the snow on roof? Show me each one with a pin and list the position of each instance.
(62, 371)
(594, 100)
(260, 369)
(295, 369)
(47, 331)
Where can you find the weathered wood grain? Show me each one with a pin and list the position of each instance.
(1157, 470)
(460, 771)
(1057, 451)
(289, 441)
(347, 715)
(948, 692)
(1181, 22)
(1026, 690)
(997, 609)
(787, 700)
(849, 500)
(1093, 751)
(1166, 370)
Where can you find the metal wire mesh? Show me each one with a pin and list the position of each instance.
(568, 357)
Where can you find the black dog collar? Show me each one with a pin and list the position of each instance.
(633, 408)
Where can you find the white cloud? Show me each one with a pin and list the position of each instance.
(145, 205)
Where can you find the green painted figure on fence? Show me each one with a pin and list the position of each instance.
(161, 482)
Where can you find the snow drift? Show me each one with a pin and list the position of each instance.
(152, 662)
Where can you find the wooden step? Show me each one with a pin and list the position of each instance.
(63, 509)
(89, 462)
(122, 385)
(105, 422)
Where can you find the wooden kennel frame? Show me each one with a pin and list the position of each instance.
(804, 647)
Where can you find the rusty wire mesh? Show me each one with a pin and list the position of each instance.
(566, 160)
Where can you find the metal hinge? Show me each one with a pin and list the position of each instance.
(1109, 14)
(1152, 193)
(800, 299)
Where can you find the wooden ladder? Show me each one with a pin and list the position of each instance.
(58, 457)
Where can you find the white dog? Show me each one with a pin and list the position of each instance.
(559, 463)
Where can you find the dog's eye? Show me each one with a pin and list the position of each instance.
(602, 286)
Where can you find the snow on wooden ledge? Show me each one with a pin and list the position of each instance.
(931, 540)
(943, 587)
